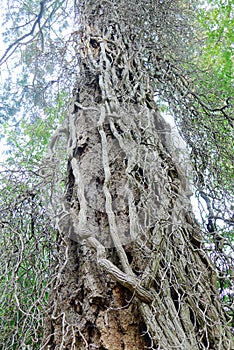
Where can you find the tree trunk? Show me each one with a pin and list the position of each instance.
(132, 271)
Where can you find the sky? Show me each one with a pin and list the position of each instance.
(2, 77)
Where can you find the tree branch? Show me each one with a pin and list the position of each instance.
(16, 44)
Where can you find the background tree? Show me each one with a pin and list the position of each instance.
(132, 269)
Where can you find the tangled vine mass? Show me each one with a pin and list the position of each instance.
(100, 247)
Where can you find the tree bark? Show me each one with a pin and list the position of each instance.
(132, 271)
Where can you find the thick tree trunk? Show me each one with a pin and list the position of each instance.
(132, 273)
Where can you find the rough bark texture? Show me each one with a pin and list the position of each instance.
(132, 272)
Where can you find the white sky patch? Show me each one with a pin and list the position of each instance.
(181, 147)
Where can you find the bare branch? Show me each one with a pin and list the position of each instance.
(11, 49)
